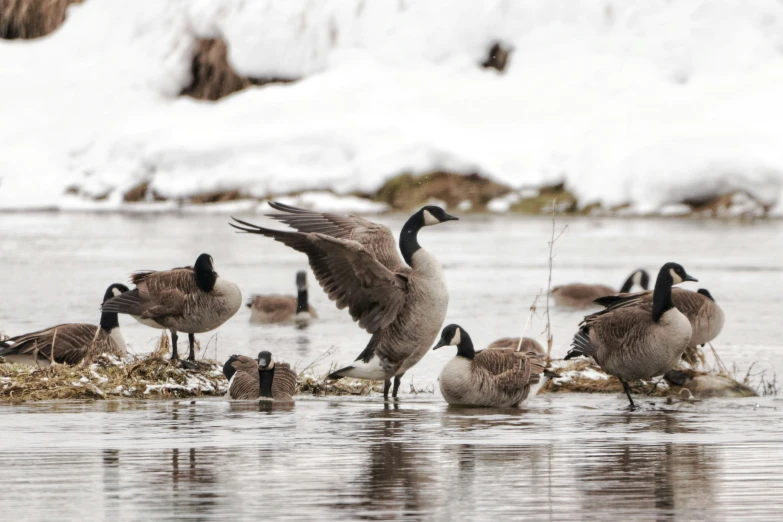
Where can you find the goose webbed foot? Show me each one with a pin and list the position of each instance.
(386, 386)
(397, 381)
(628, 393)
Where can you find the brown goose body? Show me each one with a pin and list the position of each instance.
(64, 344)
(512, 343)
(70, 343)
(356, 263)
(637, 340)
(500, 378)
(704, 314)
(245, 382)
(272, 309)
(701, 385)
(580, 295)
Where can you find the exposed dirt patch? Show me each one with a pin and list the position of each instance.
(406, 191)
(212, 75)
(31, 18)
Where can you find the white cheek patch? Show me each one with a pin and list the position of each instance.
(116, 291)
(429, 219)
(457, 338)
(675, 278)
(637, 279)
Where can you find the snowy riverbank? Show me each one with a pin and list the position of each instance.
(628, 104)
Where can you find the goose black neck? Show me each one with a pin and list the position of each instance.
(301, 301)
(409, 242)
(628, 284)
(465, 346)
(266, 377)
(228, 368)
(662, 295)
(205, 280)
(109, 321)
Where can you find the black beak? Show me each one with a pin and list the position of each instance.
(440, 344)
(449, 217)
(690, 278)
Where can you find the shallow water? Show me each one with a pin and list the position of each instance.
(567, 457)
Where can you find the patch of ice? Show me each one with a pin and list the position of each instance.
(503, 203)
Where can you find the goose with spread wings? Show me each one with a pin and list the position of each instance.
(402, 302)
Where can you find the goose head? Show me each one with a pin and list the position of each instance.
(265, 361)
(205, 272)
(434, 215)
(676, 273)
(114, 290)
(455, 335)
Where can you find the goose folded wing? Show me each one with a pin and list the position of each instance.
(617, 300)
(167, 302)
(622, 327)
(511, 369)
(69, 342)
(245, 386)
(284, 383)
(375, 237)
(689, 303)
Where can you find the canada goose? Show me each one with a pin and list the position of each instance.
(190, 299)
(356, 263)
(701, 385)
(512, 343)
(578, 295)
(69, 343)
(261, 378)
(638, 341)
(499, 378)
(268, 309)
(704, 314)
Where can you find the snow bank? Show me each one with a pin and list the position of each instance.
(648, 103)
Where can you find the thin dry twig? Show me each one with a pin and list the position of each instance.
(552, 241)
(532, 309)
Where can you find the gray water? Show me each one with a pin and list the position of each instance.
(566, 457)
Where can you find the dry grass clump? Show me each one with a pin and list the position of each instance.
(582, 376)
(212, 75)
(318, 386)
(135, 377)
(31, 18)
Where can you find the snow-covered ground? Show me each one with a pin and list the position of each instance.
(641, 102)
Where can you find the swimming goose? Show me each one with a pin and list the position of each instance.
(578, 295)
(704, 314)
(637, 341)
(262, 378)
(268, 309)
(401, 302)
(69, 343)
(190, 299)
(512, 343)
(498, 378)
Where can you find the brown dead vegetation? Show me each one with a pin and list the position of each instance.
(498, 57)
(213, 77)
(406, 191)
(31, 18)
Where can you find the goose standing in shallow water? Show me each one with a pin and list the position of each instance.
(704, 314)
(401, 303)
(69, 343)
(253, 379)
(637, 341)
(500, 378)
(190, 299)
(579, 295)
(270, 309)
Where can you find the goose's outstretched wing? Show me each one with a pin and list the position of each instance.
(376, 238)
(349, 274)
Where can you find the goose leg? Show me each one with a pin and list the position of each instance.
(174, 354)
(628, 393)
(386, 386)
(192, 343)
(397, 380)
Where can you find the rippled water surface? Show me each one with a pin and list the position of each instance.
(566, 457)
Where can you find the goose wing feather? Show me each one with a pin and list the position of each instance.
(510, 369)
(349, 274)
(376, 238)
(71, 342)
(245, 386)
(158, 294)
(284, 383)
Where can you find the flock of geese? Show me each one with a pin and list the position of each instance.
(402, 302)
